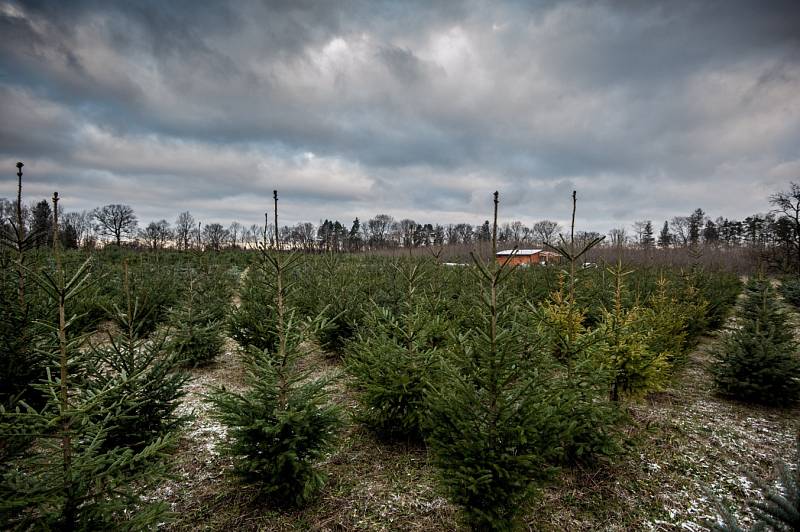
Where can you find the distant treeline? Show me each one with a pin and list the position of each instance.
(771, 239)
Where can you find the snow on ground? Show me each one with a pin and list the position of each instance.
(199, 464)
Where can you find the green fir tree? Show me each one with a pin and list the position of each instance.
(335, 291)
(195, 338)
(487, 418)
(138, 377)
(790, 290)
(252, 323)
(584, 424)
(759, 361)
(636, 369)
(283, 423)
(664, 322)
(393, 360)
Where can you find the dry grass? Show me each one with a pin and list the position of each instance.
(686, 446)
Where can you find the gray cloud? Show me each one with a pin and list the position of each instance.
(351, 108)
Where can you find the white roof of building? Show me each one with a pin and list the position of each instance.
(521, 252)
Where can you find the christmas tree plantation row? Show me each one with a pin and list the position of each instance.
(505, 374)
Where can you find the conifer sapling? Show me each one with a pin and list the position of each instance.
(283, 423)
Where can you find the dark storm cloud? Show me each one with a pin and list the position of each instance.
(407, 107)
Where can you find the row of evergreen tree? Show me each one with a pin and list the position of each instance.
(89, 421)
(502, 389)
(502, 385)
(758, 361)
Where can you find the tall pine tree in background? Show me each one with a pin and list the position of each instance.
(665, 237)
(648, 240)
(759, 360)
(42, 224)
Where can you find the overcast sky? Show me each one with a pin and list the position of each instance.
(416, 109)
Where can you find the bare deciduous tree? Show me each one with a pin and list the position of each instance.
(405, 229)
(787, 205)
(377, 229)
(464, 233)
(214, 235)
(156, 234)
(638, 230)
(236, 233)
(184, 225)
(115, 220)
(618, 236)
(545, 230)
(516, 230)
(81, 222)
(680, 229)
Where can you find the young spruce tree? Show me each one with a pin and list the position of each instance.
(790, 290)
(665, 321)
(393, 360)
(138, 376)
(196, 339)
(251, 324)
(585, 424)
(284, 422)
(635, 368)
(21, 365)
(339, 296)
(759, 361)
(487, 418)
